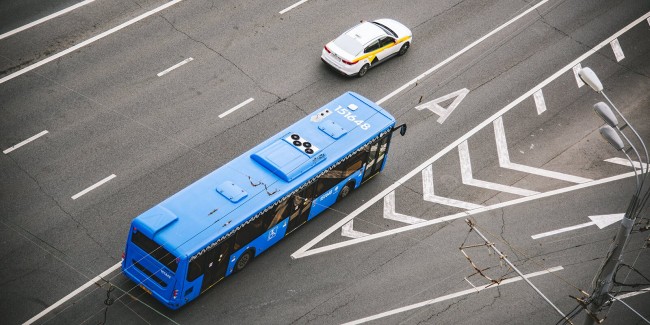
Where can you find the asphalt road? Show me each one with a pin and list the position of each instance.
(107, 112)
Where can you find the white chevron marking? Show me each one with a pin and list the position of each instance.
(466, 173)
(427, 189)
(389, 211)
(347, 231)
(504, 159)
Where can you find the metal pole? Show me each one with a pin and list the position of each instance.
(606, 275)
(503, 257)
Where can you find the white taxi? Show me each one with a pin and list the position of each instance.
(367, 44)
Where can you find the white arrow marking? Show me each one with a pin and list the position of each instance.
(347, 231)
(451, 296)
(466, 173)
(504, 159)
(601, 221)
(427, 190)
(389, 211)
(441, 111)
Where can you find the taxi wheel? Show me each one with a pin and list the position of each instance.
(363, 70)
(403, 49)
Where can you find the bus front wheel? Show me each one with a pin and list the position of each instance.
(243, 260)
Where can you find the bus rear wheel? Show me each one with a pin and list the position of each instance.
(243, 260)
(345, 191)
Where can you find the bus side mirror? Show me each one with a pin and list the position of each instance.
(402, 129)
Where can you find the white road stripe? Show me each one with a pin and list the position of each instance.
(32, 138)
(74, 293)
(576, 69)
(236, 107)
(88, 41)
(504, 159)
(301, 252)
(468, 178)
(451, 296)
(389, 211)
(618, 51)
(164, 72)
(459, 53)
(292, 6)
(306, 251)
(96, 185)
(632, 294)
(46, 18)
(540, 104)
(428, 194)
(625, 162)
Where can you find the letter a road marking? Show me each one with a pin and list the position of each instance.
(441, 111)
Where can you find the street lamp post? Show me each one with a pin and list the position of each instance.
(597, 302)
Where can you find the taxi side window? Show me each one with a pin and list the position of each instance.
(386, 41)
(373, 46)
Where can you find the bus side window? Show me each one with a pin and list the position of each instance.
(249, 232)
(342, 171)
(195, 268)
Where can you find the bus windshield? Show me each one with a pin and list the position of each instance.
(154, 250)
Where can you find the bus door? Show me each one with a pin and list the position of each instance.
(376, 157)
(300, 206)
(216, 262)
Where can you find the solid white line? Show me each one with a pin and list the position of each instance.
(292, 6)
(389, 211)
(44, 19)
(504, 159)
(96, 185)
(236, 107)
(306, 251)
(451, 296)
(162, 73)
(88, 41)
(468, 178)
(457, 54)
(301, 251)
(625, 162)
(32, 138)
(428, 193)
(74, 293)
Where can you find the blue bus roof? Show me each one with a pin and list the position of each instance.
(209, 208)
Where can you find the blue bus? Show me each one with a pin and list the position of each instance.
(214, 227)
